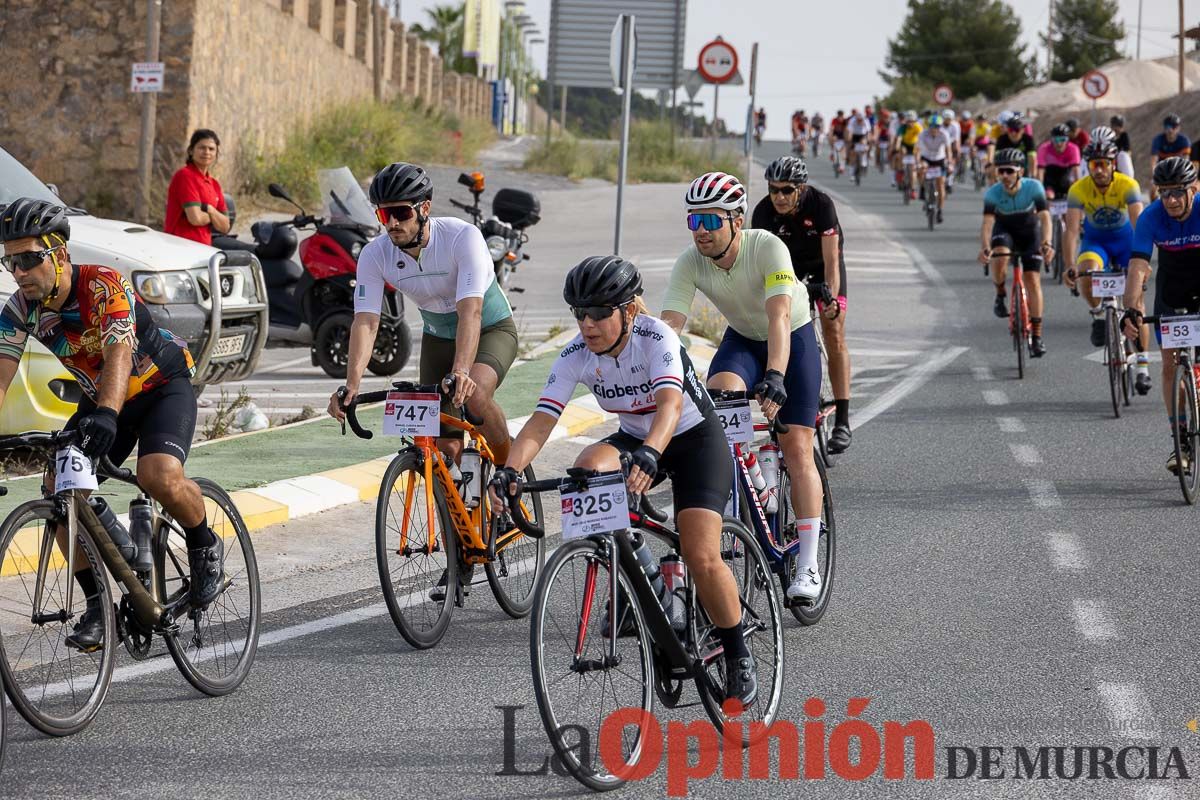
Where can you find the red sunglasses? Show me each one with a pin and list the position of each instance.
(397, 213)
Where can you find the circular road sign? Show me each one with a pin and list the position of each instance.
(1095, 84)
(943, 95)
(718, 61)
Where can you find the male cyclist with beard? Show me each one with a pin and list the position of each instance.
(805, 219)
(443, 265)
(1016, 224)
(1106, 205)
(1171, 224)
(769, 347)
(135, 378)
(667, 422)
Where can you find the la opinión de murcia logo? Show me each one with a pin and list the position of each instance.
(852, 749)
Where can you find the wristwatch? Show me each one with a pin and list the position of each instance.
(204, 206)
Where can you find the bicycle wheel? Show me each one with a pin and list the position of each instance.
(214, 647)
(1129, 368)
(574, 681)
(1184, 432)
(1114, 358)
(514, 573)
(3, 724)
(810, 614)
(56, 688)
(409, 569)
(1017, 321)
(762, 625)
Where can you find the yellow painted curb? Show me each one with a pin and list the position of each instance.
(257, 511)
(364, 477)
(577, 419)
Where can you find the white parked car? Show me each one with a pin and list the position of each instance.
(173, 276)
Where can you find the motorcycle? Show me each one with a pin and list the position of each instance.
(513, 211)
(312, 302)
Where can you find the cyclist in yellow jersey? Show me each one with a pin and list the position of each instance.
(1106, 205)
(905, 148)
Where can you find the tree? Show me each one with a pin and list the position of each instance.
(1085, 36)
(972, 45)
(445, 29)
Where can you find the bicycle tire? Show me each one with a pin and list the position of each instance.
(422, 637)
(237, 609)
(756, 584)
(14, 626)
(1020, 341)
(1185, 435)
(1114, 363)
(521, 549)
(547, 598)
(811, 614)
(3, 724)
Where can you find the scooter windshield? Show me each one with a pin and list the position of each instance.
(343, 200)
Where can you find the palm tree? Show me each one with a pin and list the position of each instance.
(445, 28)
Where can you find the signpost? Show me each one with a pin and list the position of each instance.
(149, 111)
(750, 127)
(146, 76)
(943, 95)
(718, 63)
(1095, 85)
(624, 44)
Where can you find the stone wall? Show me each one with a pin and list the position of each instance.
(253, 70)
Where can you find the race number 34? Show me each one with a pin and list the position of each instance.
(735, 419)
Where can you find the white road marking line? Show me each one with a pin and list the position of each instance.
(1042, 493)
(294, 362)
(1025, 454)
(1093, 619)
(918, 374)
(982, 373)
(995, 397)
(1010, 425)
(1067, 551)
(1129, 709)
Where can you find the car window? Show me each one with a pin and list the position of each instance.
(17, 181)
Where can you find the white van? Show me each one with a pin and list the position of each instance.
(172, 275)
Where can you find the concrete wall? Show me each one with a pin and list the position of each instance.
(253, 70)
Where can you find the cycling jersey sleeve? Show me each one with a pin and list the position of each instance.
(1075, 195)
(113, 302)
(779, 277)
(1144, 231)
(1027, 144)
(1039, 197)
(475, 268)
(563, 378)
(681, 289)
(368, 298)
(13, 332)
(1133, 192)
(990, 199)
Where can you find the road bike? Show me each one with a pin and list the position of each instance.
(1019, 326)
(427, 524)
(1120, 354)
(776, 530)
(979, 168)
(839, 166)
(1181, 333)
(862, 162)
(816, 142)
(908, 162)
(931, 194)
(588, 663)
(1058, 211)
(3, 724)
(59, 689)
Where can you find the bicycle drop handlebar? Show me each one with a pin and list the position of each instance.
(399, 386)
(46, 442)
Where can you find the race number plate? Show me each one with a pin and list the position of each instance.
(933, 172)
(1058, 208)
(861, 147)
(603, 507)
(1108, 285)
(735, 419)
(1180, 331)
(73, 470)
(908, 159)
(412, 414)
(838, 144)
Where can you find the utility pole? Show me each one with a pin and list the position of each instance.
(378, 20)
(150, 115)
(1181, 44)
(1050, 43)
(1139, 38)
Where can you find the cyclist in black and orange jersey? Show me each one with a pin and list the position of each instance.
(135, 378)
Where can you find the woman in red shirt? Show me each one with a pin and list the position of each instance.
(194, 199)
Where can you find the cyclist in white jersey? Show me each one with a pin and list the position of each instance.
(858, 128)
(636, 367)
(769, 347)
(933, 145)
(442, 264)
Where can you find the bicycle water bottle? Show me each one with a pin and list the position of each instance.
(756, 476)
(141, 529)
(116, 531)
(674, 573)
(768, 462)
(472, 476)
(667, 600)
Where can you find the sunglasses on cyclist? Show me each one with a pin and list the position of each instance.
(597, 313)
(1097, 163)
(1059, 139)
(711, 222)
(397, 213)
(26, 261)
(1007, 170)
(786, 191)
(1174, 193)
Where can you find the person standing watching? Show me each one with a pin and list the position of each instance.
(194, 198)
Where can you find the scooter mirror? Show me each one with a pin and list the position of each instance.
(275, 190)
(466, 179)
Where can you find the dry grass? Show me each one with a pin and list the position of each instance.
(705, 320)
(221, 422)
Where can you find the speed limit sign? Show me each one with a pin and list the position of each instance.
(943, 95)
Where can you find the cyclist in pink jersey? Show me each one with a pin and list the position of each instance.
(1058, 161)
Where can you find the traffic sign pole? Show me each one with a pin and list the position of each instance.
(627, 58)
(149, 116)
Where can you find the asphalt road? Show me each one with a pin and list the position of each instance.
(1015, 567)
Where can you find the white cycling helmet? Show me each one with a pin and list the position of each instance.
(716, 190)
(948, 115)
(966, 115)
(910, 116)
(1005, 116)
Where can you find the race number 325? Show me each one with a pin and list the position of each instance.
(601, 507)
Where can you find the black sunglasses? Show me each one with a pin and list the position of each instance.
(786, 191)
(1176, 193)
(1007, 170)
(597, 313)
(397, 213)
(26, 261)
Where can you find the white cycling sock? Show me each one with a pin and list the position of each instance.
(808, 531)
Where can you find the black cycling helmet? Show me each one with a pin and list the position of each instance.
(1060, 130)
(602, 281)
(1073, 123)
(1101, 148)
(1171, 121)
(401, 183)
(788, 169)
(26, 217)
(1010, 157)
(1174, 171)
(1117, 120)
(1015, 123)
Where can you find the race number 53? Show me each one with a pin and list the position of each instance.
(1180, 331)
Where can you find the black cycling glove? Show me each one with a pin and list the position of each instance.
(646, 458)
(98, 431)
(504, 477)
(771, 387)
